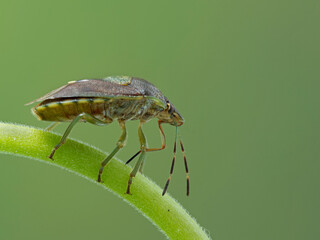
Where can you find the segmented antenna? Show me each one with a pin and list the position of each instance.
(171, 170)
(186, 166)
(172, 165)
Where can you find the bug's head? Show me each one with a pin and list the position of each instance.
(171, 115)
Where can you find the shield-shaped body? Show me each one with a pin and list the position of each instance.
(122, 98)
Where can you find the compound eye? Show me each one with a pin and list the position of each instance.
(169, 107)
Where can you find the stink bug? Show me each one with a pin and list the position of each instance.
(100, 101)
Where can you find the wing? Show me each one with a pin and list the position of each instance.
(108, 87)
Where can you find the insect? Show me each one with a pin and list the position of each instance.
(100, 102)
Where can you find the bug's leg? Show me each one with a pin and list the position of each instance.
(163, 145)
(93, 120)
(163, 140)
(135, 170)
(51, 126)
(65, 135)
(143, 143)
(120, 144)
(141, 167)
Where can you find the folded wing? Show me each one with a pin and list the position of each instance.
(94, 88)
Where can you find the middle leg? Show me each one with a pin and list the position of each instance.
(120, 144)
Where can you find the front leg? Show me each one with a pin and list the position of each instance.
(163, 145)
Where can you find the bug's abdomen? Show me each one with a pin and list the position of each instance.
(66, 110)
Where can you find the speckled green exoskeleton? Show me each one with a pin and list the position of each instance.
(100, 101)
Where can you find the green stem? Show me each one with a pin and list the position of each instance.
(84, 160)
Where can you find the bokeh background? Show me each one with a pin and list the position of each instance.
(245, 76)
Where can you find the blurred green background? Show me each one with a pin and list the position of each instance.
(245, 76)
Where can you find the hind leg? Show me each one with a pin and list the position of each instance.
(51, 126)
(84, 116)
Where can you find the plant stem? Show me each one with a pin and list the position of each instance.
(84, 160)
